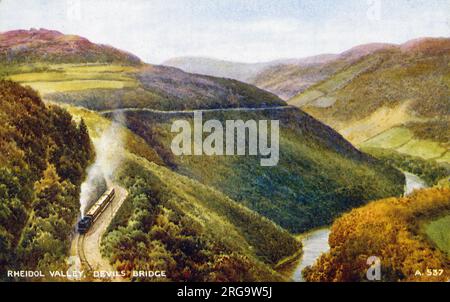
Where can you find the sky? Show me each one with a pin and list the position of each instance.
(237, 30)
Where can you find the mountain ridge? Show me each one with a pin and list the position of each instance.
(53, 46)
(287, 77)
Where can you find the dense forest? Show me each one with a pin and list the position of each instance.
(319, 175)
(43, 156)
(391, 230)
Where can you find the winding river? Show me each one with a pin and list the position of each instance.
(315, 243)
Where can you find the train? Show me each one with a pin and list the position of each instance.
(94, 212)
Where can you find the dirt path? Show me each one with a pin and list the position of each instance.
(85, 250)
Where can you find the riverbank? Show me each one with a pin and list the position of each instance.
(315, 242)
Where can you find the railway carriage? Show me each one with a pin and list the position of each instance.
(94, 212)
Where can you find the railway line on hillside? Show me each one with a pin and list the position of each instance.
(174, 112)
(86, 247)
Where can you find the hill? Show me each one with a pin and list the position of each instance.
(174, 223)
(285, 78)
(392, 230)
(198, 233)
(71, 69)
(396, 98)
(218, 68)
(42, 45)
(43, 157)
(153, 87)
(376, 95)
(186, 212)
(319, 175)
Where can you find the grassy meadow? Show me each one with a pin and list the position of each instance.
(438, 232)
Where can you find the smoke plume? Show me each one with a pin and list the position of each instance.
(109, 150)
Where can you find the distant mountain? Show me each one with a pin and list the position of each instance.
(396, 97)
(319, 176)
(274, 76)
(42, 45)
(218, 68)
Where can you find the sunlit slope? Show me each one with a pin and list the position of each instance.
(390, 229)
(51, 46)
(399, 90)
(319, 175)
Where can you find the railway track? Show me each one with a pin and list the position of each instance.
(81, 254)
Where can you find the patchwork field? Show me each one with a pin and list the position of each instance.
(72, 77)
(403, 140)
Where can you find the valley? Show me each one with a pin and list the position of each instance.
(376, 95)
(353, 136)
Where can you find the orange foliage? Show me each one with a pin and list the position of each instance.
(388, 229)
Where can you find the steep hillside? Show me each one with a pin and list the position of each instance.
(394, 98)
(187, 210)
(43, 156)
(174, 223)
(41, 45)
(319, 175)
(390, 229)
(195, 233)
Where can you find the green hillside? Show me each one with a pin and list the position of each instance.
(319, 176)
(195, 232)
(43, 157)
(51, 46)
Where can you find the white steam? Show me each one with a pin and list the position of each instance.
(109, 152)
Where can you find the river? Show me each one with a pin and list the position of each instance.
(413, 182)
(316, 243)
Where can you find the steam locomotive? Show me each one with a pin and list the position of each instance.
(86, 222)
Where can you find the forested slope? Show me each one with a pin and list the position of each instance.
(43, 156)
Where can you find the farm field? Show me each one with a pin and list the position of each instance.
(73, 77)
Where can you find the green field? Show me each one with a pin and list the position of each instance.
(438, 232)
(72, 77)
(314, 181)
(403, 140)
